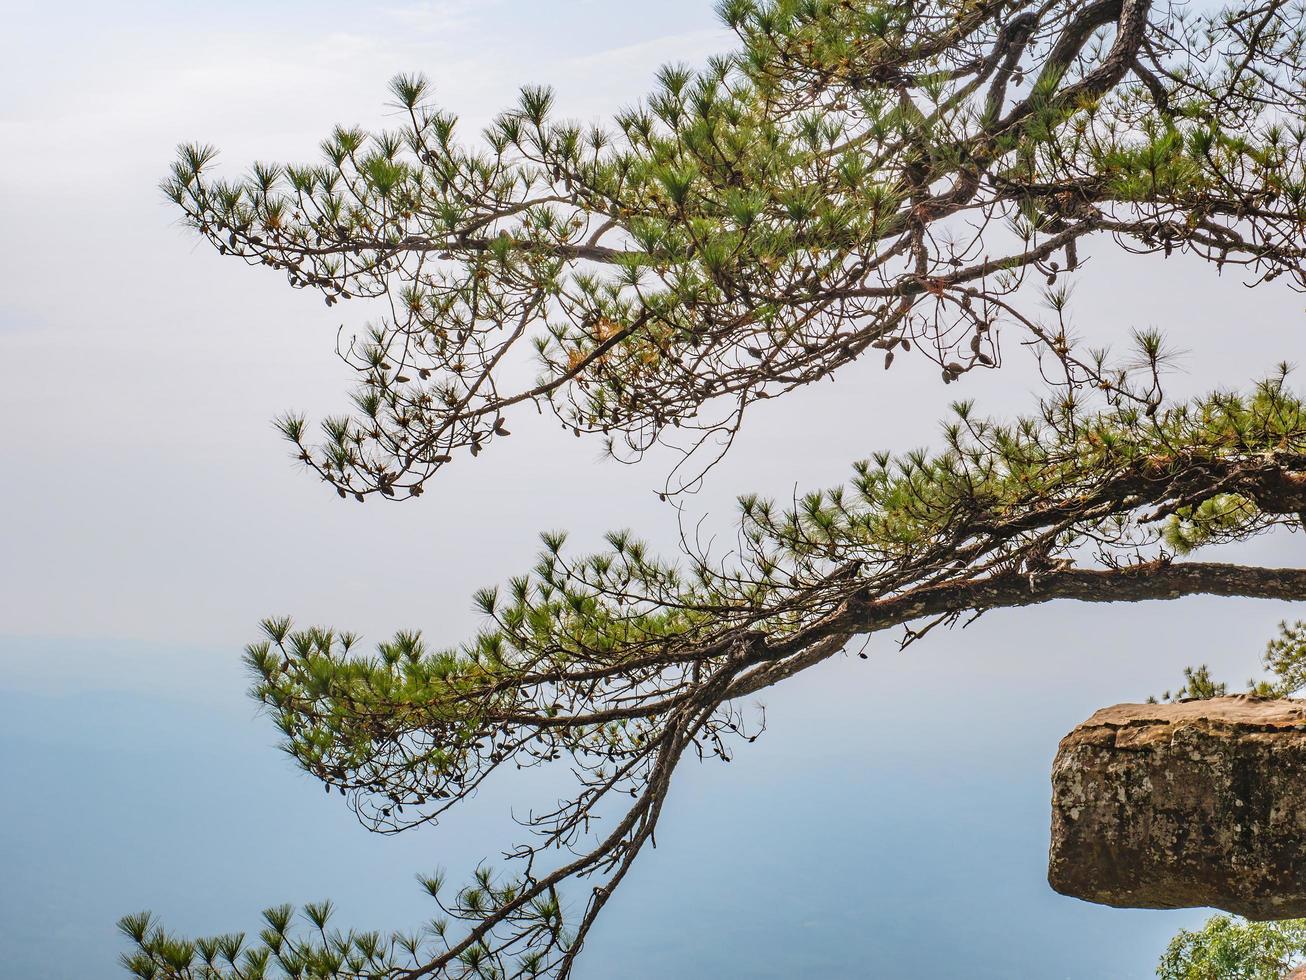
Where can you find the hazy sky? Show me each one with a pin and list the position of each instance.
(152, 517)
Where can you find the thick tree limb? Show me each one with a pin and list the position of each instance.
(1152, 581)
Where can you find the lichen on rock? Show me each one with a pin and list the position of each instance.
(1194, 804)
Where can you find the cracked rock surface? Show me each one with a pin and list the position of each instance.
(1195, 804)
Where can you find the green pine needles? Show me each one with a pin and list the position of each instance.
(856, 178)
(622, 662)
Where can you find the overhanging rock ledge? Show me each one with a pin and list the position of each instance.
(1194, 804)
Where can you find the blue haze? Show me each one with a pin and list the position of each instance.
(891, 822)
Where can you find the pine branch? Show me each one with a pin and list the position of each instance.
(623, 663)
(830, 189)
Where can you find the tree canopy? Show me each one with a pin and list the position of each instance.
(855, 176)
(1232, 949)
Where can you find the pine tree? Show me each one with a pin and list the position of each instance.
(856, 177)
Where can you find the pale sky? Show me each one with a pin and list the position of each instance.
(152, 517)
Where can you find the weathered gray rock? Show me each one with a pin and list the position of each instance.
(1200, 803)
